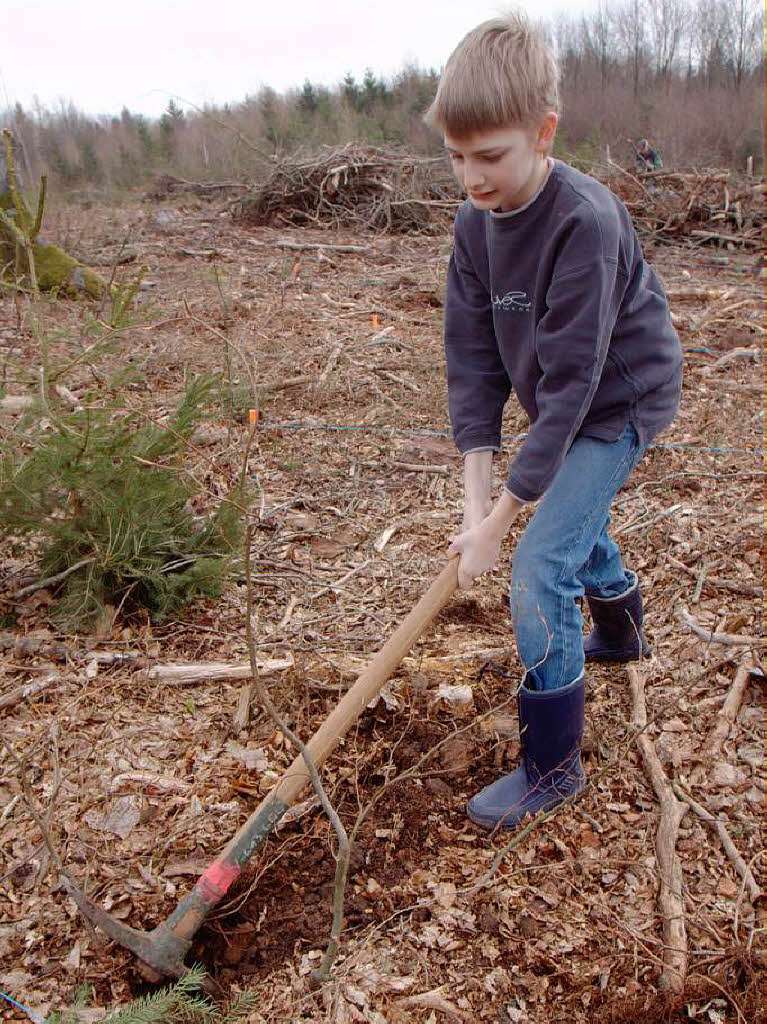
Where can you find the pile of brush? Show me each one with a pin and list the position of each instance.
(355, 186)
(707, 206)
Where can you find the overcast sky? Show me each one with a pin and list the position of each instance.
(106, 54)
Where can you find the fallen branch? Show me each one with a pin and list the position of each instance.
(205, 254)
(729, 712)
(645, 523)
(284, 243)
(332, 360)
(43, 820)
(32, 646)
(148, 780)
(30, 690)
(49, 581)
(734, 639)
(394, 379)
(417, 467)
(214, 671)
(699, 583)
(291, 382)
(731, 357)
(735, 586)
(362, 186)
(696, 295)
(340, 581)
(670, 898)
(745, 872)
(743, 239)
(636, 181)
(242, 711)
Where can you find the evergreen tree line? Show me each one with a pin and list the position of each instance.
(687, 74)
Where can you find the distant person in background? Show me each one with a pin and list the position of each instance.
(646, 159)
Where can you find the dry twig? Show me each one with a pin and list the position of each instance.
(22, 693)
(717, 638)
(215, 671)
(729, 712)
(669, 867)
(719, 826)
(736, 586)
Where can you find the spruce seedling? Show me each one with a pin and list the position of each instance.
(108, 496)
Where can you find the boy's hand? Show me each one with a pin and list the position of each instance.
(480, 545)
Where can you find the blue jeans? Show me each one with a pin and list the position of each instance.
(565, 552)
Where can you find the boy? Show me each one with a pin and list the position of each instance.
(548, 294)
(646, 159)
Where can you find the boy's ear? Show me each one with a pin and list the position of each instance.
(547, 130)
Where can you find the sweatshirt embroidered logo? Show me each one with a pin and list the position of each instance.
(518, 302)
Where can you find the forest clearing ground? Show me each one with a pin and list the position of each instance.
(347, 352)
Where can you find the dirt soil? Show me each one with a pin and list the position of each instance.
(346, 350)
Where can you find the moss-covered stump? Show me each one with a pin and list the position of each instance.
(55, 269)
(58, 271)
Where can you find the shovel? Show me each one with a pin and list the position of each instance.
(161, 952)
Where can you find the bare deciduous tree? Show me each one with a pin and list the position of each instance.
(632, 37)
(667, 24)
(597, 36)
(709, 33)
(743, 33)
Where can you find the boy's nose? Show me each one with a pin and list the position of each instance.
(473, 178)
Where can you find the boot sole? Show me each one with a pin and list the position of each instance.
(507, 822)
(620, 659)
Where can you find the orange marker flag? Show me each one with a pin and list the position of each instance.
(374, 321)
(254, 415)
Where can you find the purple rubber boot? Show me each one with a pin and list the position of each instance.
(550, 729)
(617, 634)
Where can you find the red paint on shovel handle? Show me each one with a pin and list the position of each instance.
(214, 882)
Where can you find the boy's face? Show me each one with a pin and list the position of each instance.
(502, 168)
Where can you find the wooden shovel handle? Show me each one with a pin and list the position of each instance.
(215, 881)
(369, 683)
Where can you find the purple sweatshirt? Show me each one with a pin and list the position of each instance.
(556, 301)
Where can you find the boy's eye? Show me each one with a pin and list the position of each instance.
(493, 159)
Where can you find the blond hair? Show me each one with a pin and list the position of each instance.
(502, 73)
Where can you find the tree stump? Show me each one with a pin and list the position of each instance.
(52, 268)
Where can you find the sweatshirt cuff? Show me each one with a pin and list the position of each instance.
(519, 491)
(481, 448)
(516, 497)
(480, 441)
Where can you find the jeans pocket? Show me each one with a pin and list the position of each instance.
(638, 449)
